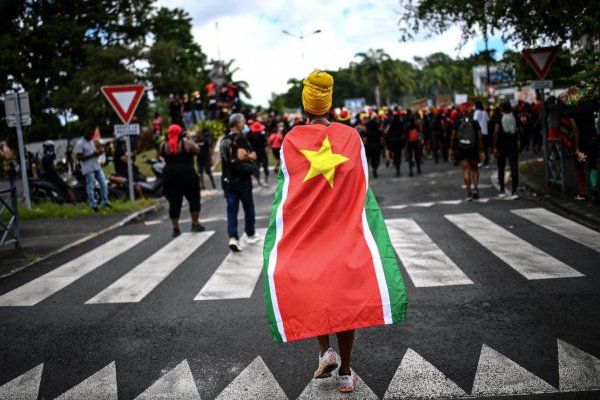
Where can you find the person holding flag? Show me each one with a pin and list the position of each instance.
(329, 266)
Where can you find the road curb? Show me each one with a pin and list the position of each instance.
(135, 216)
(532, 194)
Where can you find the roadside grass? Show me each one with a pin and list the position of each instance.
(53, 210)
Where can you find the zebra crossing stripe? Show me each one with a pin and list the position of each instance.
(497, 375)
(416, 378)
(255, 382)
(101, 385)
(46, 285)
(577, 370)
(23, 387)
(137, 283)
(562, 226)
(237, 275)
(426, 264)
(177, 384)
(520, 255)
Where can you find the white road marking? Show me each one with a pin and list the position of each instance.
(255, 382)
(237, 275)
(577, 370)
(23, 387)
(398, 207)
(562, 226)
(450, 202)
(153, 222)
(416, 378)
(46, 285)
(520, 255)
(101, 385)
(137, 283)
(177, 384)
(498, 375)
(426, 264)
(326, 389)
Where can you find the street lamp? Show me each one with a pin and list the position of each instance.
(301, 37)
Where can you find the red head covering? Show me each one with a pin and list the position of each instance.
(465, 107)
(256, 127)
(173, 131)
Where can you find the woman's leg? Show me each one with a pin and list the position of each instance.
(345, 343)
(475, 172)
(323, 343)
(466, 168)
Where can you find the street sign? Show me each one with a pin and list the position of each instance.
(11, 111)
(546, 84)
(124, 99)
(127, 130)
(541, 59)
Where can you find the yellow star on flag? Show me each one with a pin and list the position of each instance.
(323, 162)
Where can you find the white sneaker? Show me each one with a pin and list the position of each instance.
(234, 245)
(502, 195)
(514, 196)
(253, 239)
(328, 362)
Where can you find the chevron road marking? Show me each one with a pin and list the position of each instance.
(102, 386)
(577, 370)
(137, 283)
(177, 384)
(237, 275)
(520, 255)
(424, 261)
(255, 382)
(46, 285)
(562, 226)
(23, 387)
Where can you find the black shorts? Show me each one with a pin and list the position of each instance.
(203, 164)
(277, 154)
(467, 154)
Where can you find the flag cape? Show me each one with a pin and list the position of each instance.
(329, 265)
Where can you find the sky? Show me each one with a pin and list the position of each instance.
(250, 32)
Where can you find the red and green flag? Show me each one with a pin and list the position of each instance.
(329, 265)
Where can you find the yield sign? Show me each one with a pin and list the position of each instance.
(124, 99)
(541, 59)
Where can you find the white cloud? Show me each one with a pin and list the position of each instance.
(251, 32)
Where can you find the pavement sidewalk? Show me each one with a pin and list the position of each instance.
(533, 187)
(41, 238)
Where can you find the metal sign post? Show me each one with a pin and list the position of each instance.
(128, 130)
(17, 115)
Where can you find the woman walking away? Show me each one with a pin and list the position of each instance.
(467, 140)
(332, 269)
(506, 145)
(180, 178)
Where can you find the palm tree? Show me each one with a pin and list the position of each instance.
(372, 67)
(226, 71)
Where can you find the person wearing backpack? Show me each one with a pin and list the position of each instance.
(506, 145)
(414, 141)
(467, 146)
(237, 161)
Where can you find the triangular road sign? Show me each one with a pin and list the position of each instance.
(541, 59)
(124, 99)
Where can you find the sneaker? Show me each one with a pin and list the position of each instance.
(469, 197)
(514, 196)
(107, 205)
(253, 239)
(580, 197)
(234, 245)
(198, 228)
(346, 382)
(475, 195)
(328, 362)
(176, 232)
(95, 209)
(502, 195)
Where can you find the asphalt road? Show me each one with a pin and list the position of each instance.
(502, 302)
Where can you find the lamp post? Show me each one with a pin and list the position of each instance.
(301, 37)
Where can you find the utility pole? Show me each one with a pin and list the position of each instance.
(301, 37)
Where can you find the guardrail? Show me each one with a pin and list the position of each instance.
(9, 227)
(555, 162)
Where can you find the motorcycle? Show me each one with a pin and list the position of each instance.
(149, 187)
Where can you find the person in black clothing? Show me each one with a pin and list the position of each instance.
(120, 163)
(373, 139)
(259, 143)
(237, 183)
(395, 139)
(175, 110)
(49, 172)
(180, 178)
(467, 142)
(436, 122)
(414, 141)
(506, 145)
(204, 159)
(198, 104)
(586, 138)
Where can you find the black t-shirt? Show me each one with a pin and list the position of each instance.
(507, 140)
(583, 114)
(395, 134)
(229, 147)
(204, 143)
(258, 142)
(476, 129)
(48, 165)
(120, 166)
(198, 104)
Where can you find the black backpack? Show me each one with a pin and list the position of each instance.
(465, 134)
(242, 169)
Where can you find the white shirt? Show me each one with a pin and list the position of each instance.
(482, 117)
(87, 147)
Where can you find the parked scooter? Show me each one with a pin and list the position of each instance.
(148, 187)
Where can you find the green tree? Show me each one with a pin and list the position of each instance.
(371, 67)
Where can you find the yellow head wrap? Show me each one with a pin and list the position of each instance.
(317, 93)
